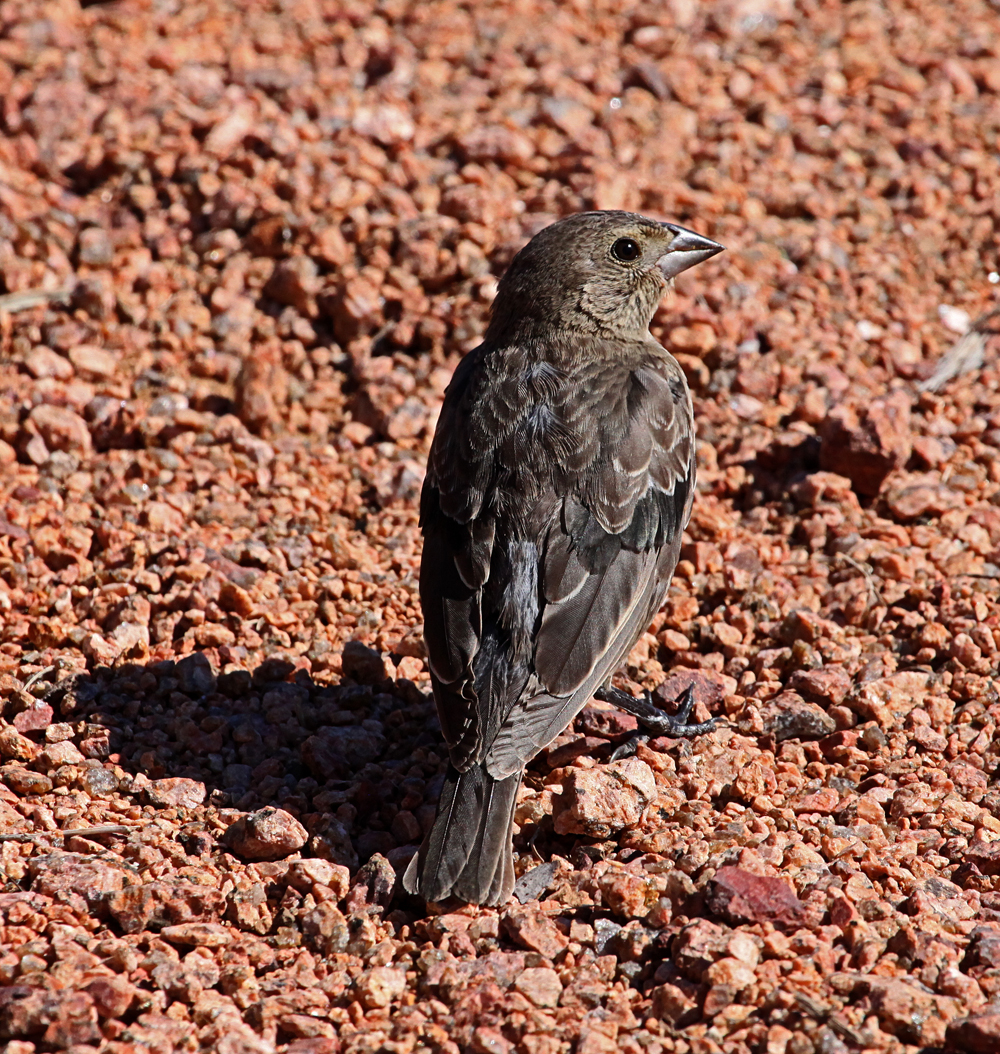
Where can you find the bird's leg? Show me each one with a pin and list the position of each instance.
(652, 718)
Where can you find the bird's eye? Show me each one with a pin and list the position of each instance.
(626, 250)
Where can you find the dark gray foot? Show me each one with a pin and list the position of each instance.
(652, 718)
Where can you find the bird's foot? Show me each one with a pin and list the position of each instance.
(652, 719)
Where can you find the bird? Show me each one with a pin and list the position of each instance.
(559, 481)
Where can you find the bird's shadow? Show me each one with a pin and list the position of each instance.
(361, 753)
(360, 765)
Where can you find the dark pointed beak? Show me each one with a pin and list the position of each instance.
(686, 250)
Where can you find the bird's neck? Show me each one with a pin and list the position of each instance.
(568, 342)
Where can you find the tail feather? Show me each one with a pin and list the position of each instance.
(504, 877)
(468, 851)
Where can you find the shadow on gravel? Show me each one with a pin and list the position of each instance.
(358, 764)
(233, 774)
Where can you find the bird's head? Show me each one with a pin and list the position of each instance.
(596, 272)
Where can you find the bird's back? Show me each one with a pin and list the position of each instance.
(559, 482)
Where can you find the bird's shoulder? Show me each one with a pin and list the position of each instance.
(637, 439)
(574, 395)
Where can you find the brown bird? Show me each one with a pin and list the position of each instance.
(558, 485)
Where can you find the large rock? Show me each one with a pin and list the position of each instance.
(59, 1020)
(176, 791)
(789, 716)
(380, 986)
(978, 1034)
(741, 896)
(269, 834)
(600, 801)
(165, 902)
(541, 985)
(535, 931)
(59, 429)
(865, 445)
(916, 1015)
(66, 876)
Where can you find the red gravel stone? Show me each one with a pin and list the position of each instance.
(978, 1034)
(603, 800)
(744, 897)
(37, 719)
(535, 931)
(266, 835)
(867, 446)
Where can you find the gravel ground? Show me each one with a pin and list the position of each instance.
(264, 235)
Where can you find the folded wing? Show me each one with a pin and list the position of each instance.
(606, 563)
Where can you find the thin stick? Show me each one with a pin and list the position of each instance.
(11, 302)
(84, 832)
(868, 577)
(965, 356)
(105, 828)
(37, 676)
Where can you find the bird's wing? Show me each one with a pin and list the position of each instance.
(458, 545)
(606, 561)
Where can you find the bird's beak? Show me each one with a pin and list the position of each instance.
(686, 250)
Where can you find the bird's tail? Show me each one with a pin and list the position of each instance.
(468, 852)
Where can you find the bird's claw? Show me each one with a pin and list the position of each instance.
(629, 747)
(652, 719)
(686, 701)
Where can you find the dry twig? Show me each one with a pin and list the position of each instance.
(84, 832)
(966, 355)
(12, 302)
(873, 589)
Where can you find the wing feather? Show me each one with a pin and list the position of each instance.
(607, 560)
(576, 632)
